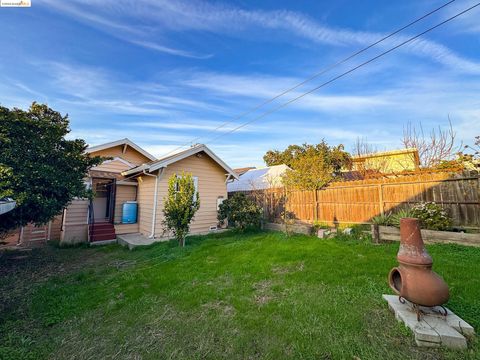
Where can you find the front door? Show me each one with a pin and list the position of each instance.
(103, 201)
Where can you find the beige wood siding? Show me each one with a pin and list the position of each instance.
(211, 186)
(75, 225)
(131, 155)
(115, 166)
(146, 185)
(124, 193)
(126, 228)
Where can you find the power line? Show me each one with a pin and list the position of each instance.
(312, 77)
(343, 74)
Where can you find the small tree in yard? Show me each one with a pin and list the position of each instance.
(241, 212)
(181, 204)
(313, 166)
(40, 169)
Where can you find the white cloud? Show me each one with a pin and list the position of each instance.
(265, 87)
(135, 20)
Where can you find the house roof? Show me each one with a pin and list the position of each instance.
(120, 142)
(241, 171)
(6, 205)
(167, 160)
(259, 179)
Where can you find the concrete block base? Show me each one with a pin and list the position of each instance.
(433, 329)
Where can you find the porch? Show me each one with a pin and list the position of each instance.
(101, 218)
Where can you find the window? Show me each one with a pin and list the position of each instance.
(219, 202)
(195, 184)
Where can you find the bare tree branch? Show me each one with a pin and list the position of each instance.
(437, 146)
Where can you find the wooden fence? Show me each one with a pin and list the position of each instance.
(359, 201)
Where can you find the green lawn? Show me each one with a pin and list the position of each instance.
(260, 295)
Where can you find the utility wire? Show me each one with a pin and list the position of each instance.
(312, 77)
(343, 74)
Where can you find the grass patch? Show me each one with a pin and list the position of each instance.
(230, 295)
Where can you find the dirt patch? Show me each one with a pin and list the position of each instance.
(288, 269)
(263, 292)
(220, 307)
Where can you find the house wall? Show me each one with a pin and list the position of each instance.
(131, 155)
(388, 163)
(211, 186)
(75, 223)
(146, 186)
(32, 236)
(124, 193)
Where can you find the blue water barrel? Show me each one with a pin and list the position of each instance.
(129, 212)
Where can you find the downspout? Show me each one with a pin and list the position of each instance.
(155, 196)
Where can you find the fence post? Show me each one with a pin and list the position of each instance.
(375, 233)
(315, 206)
(380, 199)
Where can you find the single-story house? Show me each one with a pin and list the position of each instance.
(259, 179)
(387, 162)
(133, 176)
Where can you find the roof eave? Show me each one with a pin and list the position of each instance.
(118, 143)
(194, 150)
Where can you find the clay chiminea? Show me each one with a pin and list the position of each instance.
(414, 279)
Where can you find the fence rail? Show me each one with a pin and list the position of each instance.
(359, 201)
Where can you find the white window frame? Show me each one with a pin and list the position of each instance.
(195, 184)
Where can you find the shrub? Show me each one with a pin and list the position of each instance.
(402, 213)
(241, 212)
(431, 216)
(384, 220)
(181, 204)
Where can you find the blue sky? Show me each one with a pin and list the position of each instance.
(164, 72)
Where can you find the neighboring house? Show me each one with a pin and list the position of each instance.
(259, 179)
(133, 175)
(387, 161)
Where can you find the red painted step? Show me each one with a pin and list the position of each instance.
(95, 237)
(102, 231)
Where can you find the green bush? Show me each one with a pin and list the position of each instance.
(432, 216)
(402, 213)
(180, 205)
(241, 212)
(383, 220)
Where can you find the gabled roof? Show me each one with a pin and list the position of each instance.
(120, 142)
(259, 179)
(167, 160)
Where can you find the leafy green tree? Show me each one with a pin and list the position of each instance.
(181, 204)
(39, 168)
(313, 166)
(240, 211)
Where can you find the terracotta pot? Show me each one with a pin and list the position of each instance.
(414, 279)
